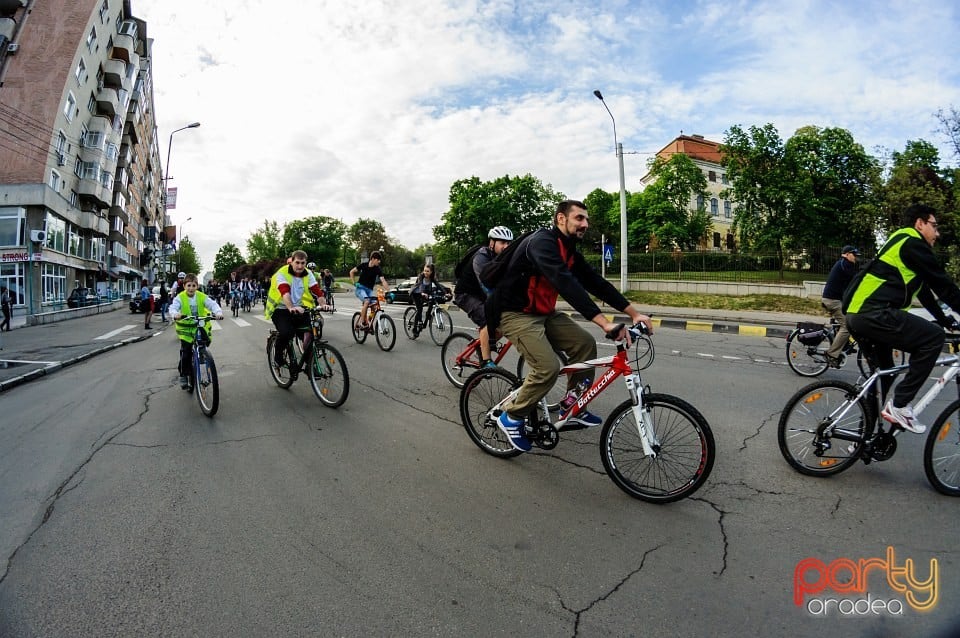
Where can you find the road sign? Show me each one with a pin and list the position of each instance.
(608, 253)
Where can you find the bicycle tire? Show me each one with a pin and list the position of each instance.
(800, 359)
(281, 376)
(410, 322)
(441, 325)
(359, 334)
(559, 389)
(329, 377)
(941, 452)
(643, 353)
(802, 416)
(206, 383)
(386, 331)
(483, 390)
(685, 454)
(458, 368)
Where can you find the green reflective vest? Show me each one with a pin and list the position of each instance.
(274, 298)
(897, 276)
(187, 329)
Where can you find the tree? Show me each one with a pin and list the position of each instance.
(187, 260)
(950, 127)
(833, 190)
(604, 209)
(227, 260)
(520, 203)
(677, 182)
(266, 243)
(320, 237)
(368, 235)
(916, 178)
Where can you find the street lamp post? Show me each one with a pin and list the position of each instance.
(623, 199)
(166, 182)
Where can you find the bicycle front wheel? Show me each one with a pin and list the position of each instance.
(281, 374)
(206, 384)
(822, 451)
(328, 375)
(410, 322)
(459, 359)
(807, 361)
(359, 334)
(484, 390)
(441, 326)
(684, 449)
(941, 454)
(386, 331)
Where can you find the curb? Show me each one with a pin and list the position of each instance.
(745, 330)
(33, 375)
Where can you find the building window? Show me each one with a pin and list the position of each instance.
(726, 209)
(11, 275)
(92, 39)
(717, 241)
(56, 182)
(92, 104)
(127, 28)
(74, 198)
(61, 142)
(54, 282)
(12, 219)
(714, 207)
(112, 151)
(93, 139)
(88, 170)
(70, 108)
(81, 72)
(724, 179)
(56, 233)
(699, 202)
(712, 176)
(104, 10)
(117, 226)
(74, 241)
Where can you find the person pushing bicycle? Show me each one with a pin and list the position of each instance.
(875, 305)
(191, 303)
(289, 296)
(543, 266)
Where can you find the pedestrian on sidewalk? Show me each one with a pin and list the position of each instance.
(164, 301)
(146, 304)
(5, 307)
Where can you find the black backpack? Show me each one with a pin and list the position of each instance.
(466, 261)
(493, 272)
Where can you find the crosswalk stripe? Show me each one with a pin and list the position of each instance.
(114, 333)
(243, 323)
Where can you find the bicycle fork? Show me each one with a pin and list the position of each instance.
(642, 416)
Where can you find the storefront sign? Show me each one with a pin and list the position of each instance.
(16, 256)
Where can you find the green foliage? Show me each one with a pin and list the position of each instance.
(227, 260)
(604, 209)
(187, 259)
(266, 243)
(916, 178)
(520, 203)
(665, 205)
(320, 237)
(368, 235)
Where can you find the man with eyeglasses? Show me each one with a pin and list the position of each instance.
(876, 305)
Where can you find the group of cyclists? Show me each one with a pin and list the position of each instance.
(547, 264)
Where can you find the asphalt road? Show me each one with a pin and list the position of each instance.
(124, 511)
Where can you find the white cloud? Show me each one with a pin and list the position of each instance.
(374, 108)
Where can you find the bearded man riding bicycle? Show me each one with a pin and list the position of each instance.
(290, 294)
(544, 265)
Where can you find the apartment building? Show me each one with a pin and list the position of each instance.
(707, 156)
(80, 176)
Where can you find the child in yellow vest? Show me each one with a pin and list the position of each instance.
(188, 303)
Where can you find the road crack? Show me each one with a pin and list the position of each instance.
(723, 531)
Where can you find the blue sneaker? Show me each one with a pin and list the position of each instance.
(586, 419)
(489, 365)
(514, 431)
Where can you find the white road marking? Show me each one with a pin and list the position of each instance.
(726, 356)
(243, 323)
(114, 333)
(704, 354)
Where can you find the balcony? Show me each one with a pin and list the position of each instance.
(121, 212)
(125, 156)
(130, 135)
(114, 72)
(91, 190)
(116, 235)
(124, 45)
(95, 222)
(108, 102)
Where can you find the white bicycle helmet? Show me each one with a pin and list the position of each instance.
(181, 275)
(312, 266)
(500, 232)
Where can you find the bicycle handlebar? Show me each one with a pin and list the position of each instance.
(635, 330)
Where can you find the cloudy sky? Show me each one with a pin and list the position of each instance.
(373, 108)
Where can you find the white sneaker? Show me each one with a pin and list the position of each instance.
(902, 417)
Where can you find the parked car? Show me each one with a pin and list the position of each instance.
(401, 292)
(135, 305)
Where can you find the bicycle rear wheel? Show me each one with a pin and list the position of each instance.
(281, 374)
(410, 322)
(328, 375)
(359, 334)
(808, 409)
(941, 453)
(386, 331)
(459, 359)
(482, 391)
(685, 450)
(441, 326)
(807, 361)
(206, 384)
(899, 358)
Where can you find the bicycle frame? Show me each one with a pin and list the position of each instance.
(474, 346)
(616, 365)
